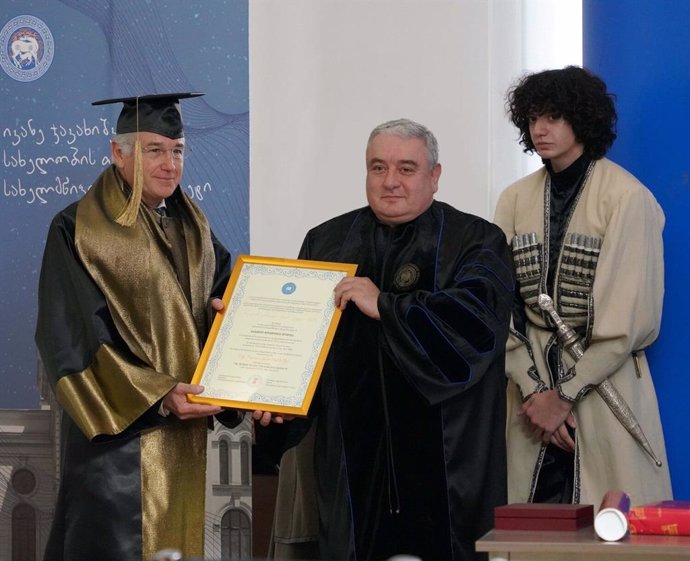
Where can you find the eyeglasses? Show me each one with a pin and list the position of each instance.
(156, 153)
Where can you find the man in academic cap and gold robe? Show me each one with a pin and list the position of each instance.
(125, 301)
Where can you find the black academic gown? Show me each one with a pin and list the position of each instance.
(410, 411)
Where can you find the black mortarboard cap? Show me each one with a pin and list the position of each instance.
(159, 113)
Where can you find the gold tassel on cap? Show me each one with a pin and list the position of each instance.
(128, 216)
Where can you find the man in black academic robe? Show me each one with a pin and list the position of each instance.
(408, 422)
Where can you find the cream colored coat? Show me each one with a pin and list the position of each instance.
(617, 300)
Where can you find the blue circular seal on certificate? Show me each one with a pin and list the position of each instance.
(289, 288)
(26, 48)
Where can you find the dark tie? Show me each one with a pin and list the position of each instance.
(174, 232)
(164, 220)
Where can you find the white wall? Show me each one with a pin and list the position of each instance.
(323, 73)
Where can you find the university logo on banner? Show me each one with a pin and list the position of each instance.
(26, 48)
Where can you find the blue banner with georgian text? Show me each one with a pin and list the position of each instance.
(56, 57)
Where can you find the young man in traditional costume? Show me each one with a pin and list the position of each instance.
(586, 237)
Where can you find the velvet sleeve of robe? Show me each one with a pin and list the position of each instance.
(75, 334)
(446, 339)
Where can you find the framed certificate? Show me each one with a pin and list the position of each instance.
(268, 346)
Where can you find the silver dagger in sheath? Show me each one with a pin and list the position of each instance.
(573, 345)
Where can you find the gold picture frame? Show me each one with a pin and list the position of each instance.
(268, 345)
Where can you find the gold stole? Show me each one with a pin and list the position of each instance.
(131, 266)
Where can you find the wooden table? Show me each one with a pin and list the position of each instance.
(580, 545)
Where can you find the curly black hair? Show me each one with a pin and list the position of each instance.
(573, 93)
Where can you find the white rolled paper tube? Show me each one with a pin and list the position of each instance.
(611, 522)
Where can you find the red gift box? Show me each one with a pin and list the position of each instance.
(543, 516)
(671, 518)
